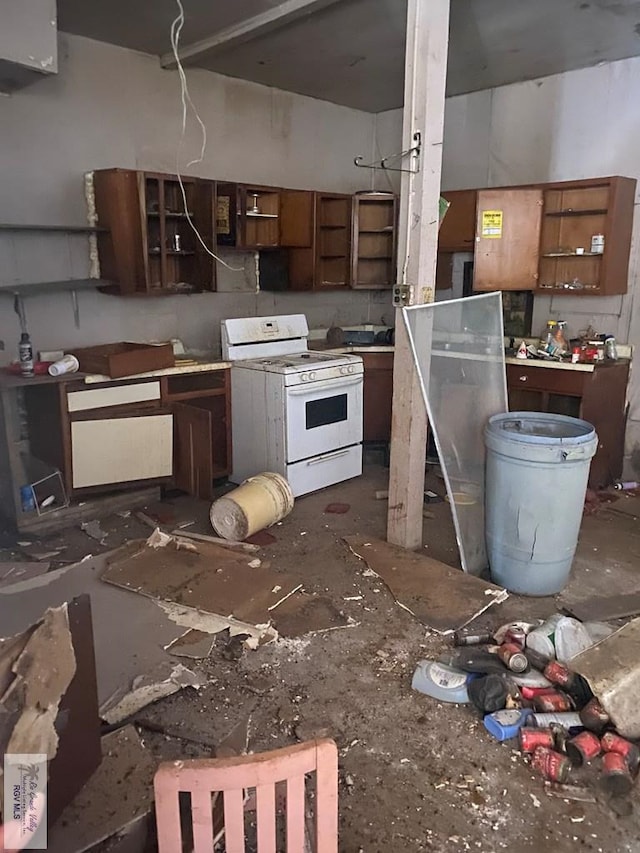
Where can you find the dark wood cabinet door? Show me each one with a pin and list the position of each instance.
(193, 459)
(458, 229)
(377, 396)
(507, 239)
(297, 218)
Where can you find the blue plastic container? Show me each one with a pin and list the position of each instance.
(536, 481)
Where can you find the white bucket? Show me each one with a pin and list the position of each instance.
(258, 503)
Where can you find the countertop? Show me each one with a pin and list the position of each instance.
(10, 380)
(322, 346)
(178, 370)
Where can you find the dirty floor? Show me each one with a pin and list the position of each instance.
(415, 774)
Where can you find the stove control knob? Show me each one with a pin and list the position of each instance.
(344, 371)
(312, 375)
(304, 377)
(350, 368)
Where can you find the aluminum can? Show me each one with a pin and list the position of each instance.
(615, 779)
(612, 742)
(551, 764)
(512, 656)
(553, 702)
(461, 638)
(558, 673)
(516, 636)
(531, 739)
(583, 747)
(593, 716)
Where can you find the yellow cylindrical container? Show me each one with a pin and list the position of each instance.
(258, 503)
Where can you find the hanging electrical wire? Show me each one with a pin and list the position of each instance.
(185, 97)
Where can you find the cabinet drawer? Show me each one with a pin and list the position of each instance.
(119, 450)
(554, 380)
(114, 395)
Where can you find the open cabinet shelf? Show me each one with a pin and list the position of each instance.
(374, 241)
(152, 248)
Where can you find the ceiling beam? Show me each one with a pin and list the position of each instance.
(247, 30)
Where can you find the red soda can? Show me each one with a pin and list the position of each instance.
(532, 692)
(512, 656)
(583, 747)
(557, 673)
(611, 742)
(515, 635)
(555, 701)
(531, 739)
(551, 764)
(615, 779)
(593, 716)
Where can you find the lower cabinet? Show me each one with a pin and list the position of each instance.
(121, 449)
(201, 406)
(377, 395)
(598, 397)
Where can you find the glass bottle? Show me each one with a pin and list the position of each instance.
(546, 340)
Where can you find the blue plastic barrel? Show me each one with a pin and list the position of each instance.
(536, 481)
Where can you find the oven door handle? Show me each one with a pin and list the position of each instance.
(311, 388)
(333, 455)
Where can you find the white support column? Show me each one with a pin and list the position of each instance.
(425, 76)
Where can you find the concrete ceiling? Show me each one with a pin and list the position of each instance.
(351, 52)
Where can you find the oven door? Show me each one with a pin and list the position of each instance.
(323, 416)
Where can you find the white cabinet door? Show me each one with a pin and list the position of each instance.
(121, 449)
(113, 395)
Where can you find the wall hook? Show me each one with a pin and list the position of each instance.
(413, 152)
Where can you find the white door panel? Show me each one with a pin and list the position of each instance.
(121, 449)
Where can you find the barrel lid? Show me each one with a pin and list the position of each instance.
(540, 428)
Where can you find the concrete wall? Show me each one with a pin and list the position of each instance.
(114, 107)
(580, 124)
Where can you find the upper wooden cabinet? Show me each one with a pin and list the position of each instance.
(151, 247)
(507, 239)
(458, 229)
(324, 264)
(540, 238)
(374, 241)
(574, 212)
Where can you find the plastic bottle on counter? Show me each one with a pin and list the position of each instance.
(546, 339)
(25, 354)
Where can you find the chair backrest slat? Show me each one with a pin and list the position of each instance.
(202, 819)
(295, 814)
(234, 821)
(266, 818)
(326, 810)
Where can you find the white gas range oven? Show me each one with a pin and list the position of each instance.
(295, 411)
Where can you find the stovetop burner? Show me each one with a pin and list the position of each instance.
(298, 362)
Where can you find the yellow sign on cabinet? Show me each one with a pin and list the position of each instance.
(492, 224)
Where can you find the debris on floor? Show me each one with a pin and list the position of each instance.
(206, 577)
(13, 572)
(337, 508)
(603, 607)
(192, 644)
(145, 690)
(568, 710)
(441, 597)
(117, 799)
(93, 529)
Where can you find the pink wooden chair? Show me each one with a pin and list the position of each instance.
(235, 776)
